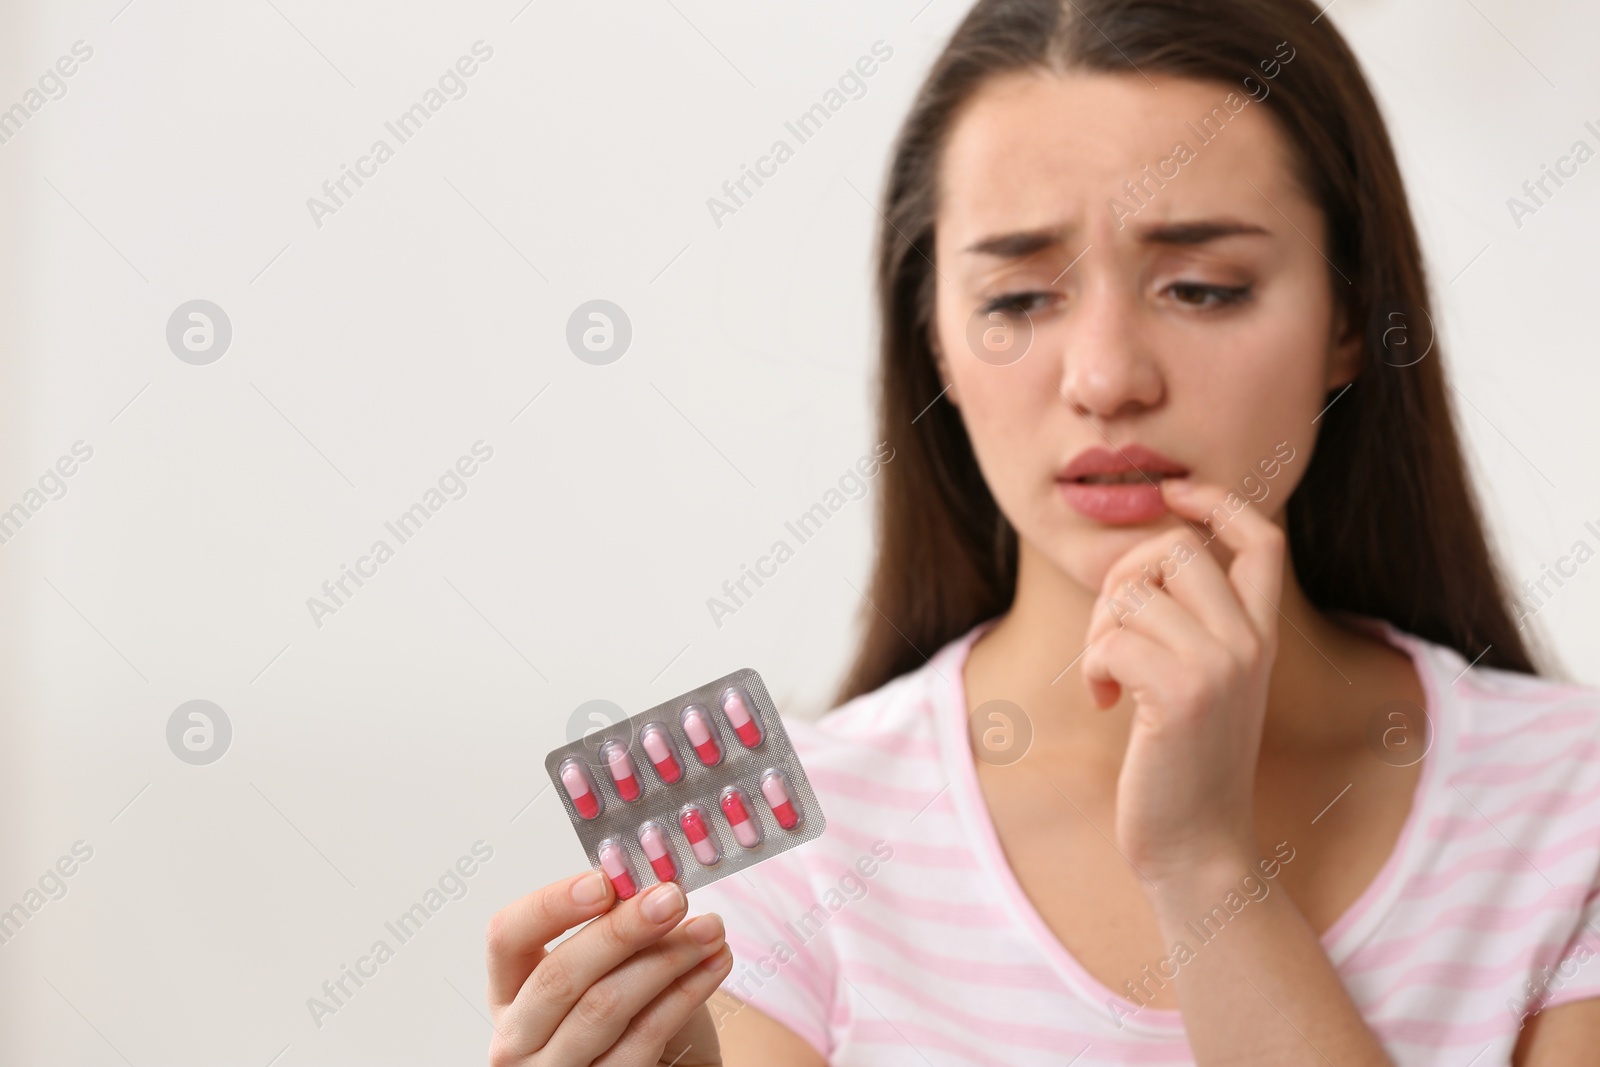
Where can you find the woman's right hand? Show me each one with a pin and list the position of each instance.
(628, 990)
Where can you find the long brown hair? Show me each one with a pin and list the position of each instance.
(1384, 524)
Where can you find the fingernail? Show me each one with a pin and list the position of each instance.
(662, 902)
(1177, 485)
(705, 928)
(589, 889)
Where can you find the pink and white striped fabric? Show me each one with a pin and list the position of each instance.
(901, 936)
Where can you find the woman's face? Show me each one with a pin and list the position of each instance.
(1096, 341)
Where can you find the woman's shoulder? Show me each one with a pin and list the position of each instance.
(1503, 711)
(1536, 730)
(1513, 692)
(1520, 762)
(1495, 714)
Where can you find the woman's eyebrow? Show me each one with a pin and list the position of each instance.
(1024, 243)
(1199, 231)
(1021, 243)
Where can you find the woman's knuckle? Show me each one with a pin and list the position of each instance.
(598, 1005)
(651, 1027)
(617, 935)
(552, 981)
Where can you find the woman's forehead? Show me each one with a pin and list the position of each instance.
(1038, 148)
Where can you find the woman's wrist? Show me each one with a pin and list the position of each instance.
(1182, 889)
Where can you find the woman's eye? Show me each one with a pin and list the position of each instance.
(1197, 294)
(1013, 304)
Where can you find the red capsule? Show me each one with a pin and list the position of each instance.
(575, 779)
(738, 713)
(614, 861)
(621, 767)
(653, 840)
(776, 792)
(746, 830)
(658, 746)
(697, 725)
(693, 821)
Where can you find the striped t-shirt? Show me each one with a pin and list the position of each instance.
(901, 936)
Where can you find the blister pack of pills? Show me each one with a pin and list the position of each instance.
(690, 791)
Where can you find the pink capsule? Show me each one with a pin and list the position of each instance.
(778, 799)
(653, 840)
(697, 725)
(693, 821)
(621, 766)
(738, 713)
(658, 746)
(576, 781)
(745, 829)
(614, 861)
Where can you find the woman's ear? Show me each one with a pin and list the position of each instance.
(1344, 355)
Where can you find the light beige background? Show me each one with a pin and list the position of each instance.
(368, 354)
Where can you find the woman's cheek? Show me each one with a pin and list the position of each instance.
(999, 440)
(1004, 426)
(1264, 458)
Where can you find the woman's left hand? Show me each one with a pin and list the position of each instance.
(1193, 645)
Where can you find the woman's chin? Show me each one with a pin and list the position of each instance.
(1086, 556)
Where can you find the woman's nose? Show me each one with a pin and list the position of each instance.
(1107, 369)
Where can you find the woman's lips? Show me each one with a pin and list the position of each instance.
(1115, 505)
(1118, 486)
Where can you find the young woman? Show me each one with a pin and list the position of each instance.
(1192, 723)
